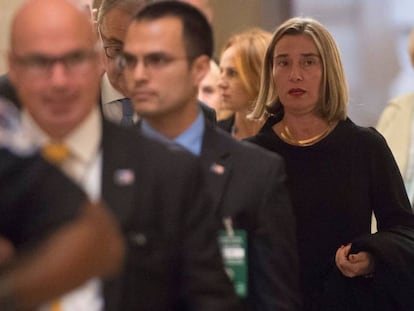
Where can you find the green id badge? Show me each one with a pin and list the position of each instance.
(234, 251)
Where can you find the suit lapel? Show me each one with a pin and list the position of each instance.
(217, 165)
(118, 178)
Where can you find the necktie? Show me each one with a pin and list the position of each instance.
(55, 153)
(127, 112)
(56, 306)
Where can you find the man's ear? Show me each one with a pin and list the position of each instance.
(200, 67)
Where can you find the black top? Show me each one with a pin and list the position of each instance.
(35, 198)
(334, 185)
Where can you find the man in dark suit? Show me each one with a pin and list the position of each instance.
(173, 261)
(166, 53)
(112, 22)
(43, 214)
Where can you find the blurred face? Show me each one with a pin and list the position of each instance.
(234, 95)
(112, 31)
(56, 69)
(160, 80)
(86, 5)
(297, 72)
(208, 91)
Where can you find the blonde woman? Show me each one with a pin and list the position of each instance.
(338, 174)
(241, 64)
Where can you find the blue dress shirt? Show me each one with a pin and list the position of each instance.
(191, 139)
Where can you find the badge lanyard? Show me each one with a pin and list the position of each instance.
(233, 245)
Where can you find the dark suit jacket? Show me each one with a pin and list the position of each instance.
(251, 190)
(390, 286)
(173, 260)
(209, 113)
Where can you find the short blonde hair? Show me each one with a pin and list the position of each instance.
(334, 91)
(250, 47)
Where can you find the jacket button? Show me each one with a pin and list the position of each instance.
(138, 238)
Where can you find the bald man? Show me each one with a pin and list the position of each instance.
(173, 261)
(50, 241)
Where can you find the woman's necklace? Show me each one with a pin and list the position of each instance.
(288, 137)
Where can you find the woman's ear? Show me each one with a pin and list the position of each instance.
(200, 67)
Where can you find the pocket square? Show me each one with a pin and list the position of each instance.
(217, 169)
(124, 177)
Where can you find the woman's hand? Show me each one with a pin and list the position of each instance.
(352, 265)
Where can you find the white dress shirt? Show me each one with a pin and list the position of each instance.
(84, 166)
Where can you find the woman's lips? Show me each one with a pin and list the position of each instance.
(296, 92)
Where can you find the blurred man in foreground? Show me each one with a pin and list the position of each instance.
(173, 262)
(51, 237)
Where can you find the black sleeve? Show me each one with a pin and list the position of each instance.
(392, 206)
(35, 198)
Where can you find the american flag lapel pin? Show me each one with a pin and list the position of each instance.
(217, 169)
(124, 177)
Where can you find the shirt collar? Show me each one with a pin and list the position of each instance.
(83, 141)
(191, 139)
(108, 92)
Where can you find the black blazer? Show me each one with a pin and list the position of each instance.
(390, 286)
(250, 188)
(173, 260)
(35, 199)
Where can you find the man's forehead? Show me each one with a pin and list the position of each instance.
(153, 36)
(52, 45)
(164, 27)
(59, 23)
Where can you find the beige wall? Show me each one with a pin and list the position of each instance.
(232, 16)
(8, 7)
(363, 29)
(263, 13)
